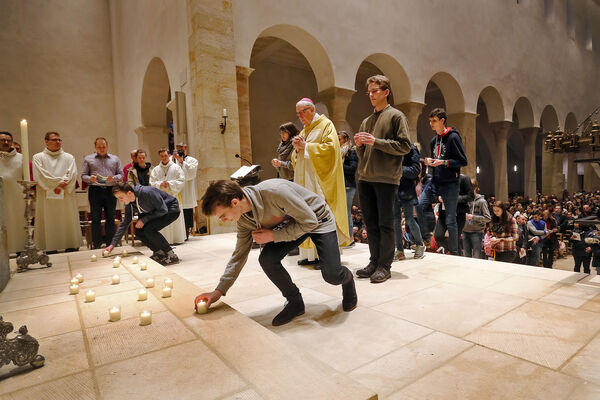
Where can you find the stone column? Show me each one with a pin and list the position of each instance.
(501, 130)
(552, 177)
(152, 138)
(4, 263)
(465, 123)
(212, 54)
(412, 110)
(572, 178)
(243, 93)
(337, 99)
(529, 137)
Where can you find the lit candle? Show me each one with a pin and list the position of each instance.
(118, 258)
(114, 313)
(90, 296)
(201, 307)
(74, 289)
(116, 263)
(79, 278)
(134, 260)
(169, 283)
(124, 253)
(93, 258)
(25, 149)
(105, 253)
(224, 112)
(167, 291)
(149, 283)
(142, 295)
(145, 318)
(74, 281)
(116, 279)
(143, 266)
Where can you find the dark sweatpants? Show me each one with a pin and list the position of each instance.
(150, 236)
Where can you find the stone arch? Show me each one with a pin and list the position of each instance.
(524, 112)
(310, 48)
(549, 119)
(156, 118)
(570, 122)
(395, 73)
(453, 94)
(493, 103)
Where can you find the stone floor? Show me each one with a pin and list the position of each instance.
(442, 327)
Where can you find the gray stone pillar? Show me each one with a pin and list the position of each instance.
(412, 110)
(529, 136)
(4, 266)
(500, 130)
(572, 178)
(337, 99)
(466, 125)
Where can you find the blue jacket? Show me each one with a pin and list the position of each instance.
(411, 168)
(150, 203)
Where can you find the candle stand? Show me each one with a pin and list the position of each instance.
(20, 350)
(31, 254)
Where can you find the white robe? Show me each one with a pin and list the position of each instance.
(11, 171)
(56, 216)
(189, 199)
(173, 174)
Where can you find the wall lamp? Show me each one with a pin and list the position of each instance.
(223, 123)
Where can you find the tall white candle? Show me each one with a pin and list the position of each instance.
(114, 313)
(25, 149)
(145, 317)
(224, 112)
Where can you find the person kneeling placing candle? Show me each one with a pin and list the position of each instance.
(281, 215)
(156, 210)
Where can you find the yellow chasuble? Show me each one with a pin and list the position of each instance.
(323, 172)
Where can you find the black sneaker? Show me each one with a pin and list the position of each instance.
(366, 272)
(169, 260)
(306, 261)
(381, 275)
(289, 312)
(158, 256)
(350, 298)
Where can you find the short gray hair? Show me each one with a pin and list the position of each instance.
(306, 103)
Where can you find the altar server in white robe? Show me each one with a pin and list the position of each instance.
(170, 178)
(11, 171)
(189, 199)
(56, 214)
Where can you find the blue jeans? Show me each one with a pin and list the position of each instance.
(415, 232)
(350, 191)
(534, 254)
(472, 244)
(449, 193)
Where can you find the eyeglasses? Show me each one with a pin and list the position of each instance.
(374, 90)
(6, 140)
(303, 110)
(55, 140)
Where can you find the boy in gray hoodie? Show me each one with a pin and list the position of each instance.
(281, 215)
(476, 219)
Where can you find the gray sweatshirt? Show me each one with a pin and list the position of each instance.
(287, 208)
(481, 214)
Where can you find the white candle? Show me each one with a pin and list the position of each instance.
(142, 295)
(90, 296)
(114, 313)
(145, 318)
(25, 149)
(116, 263)
(224, 112)
(143, 266)
(167, 291)
(118, 258)
(74, 281)
(201, 307)
(116, 279)
(79, 277)
(105, 253)
(169, 283)
(149, 283)
(134, 260)
(74, 289)
(93, 258)
(124, 253)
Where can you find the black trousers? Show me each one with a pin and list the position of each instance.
(150, 236)
(439, 232)
(188, 216)
(376, 204)
(548, 253)
(102, 199)
(585, 260)
(506, 256)
(329, 258)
